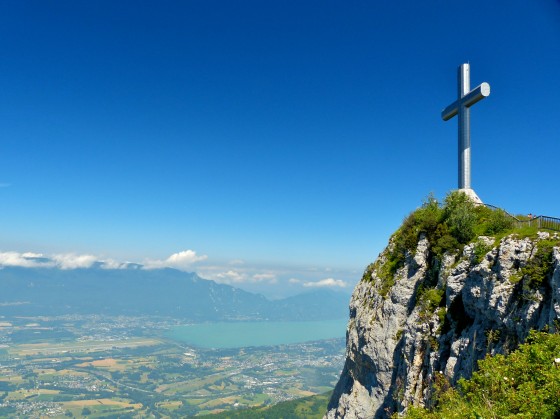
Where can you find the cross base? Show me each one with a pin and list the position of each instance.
(472, 195)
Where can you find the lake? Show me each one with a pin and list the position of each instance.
(241, 334)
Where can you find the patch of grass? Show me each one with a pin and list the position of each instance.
(515, 278)
(526, 232)
(441, 314)
(480, 250)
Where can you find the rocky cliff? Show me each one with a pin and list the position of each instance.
(440, 315)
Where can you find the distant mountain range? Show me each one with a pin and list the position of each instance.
(162, 292)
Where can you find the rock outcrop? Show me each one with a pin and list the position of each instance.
(440, 316)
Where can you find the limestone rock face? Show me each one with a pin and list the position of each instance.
(397, 342)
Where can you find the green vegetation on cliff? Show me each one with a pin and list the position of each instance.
(448, 227)
(526, 383)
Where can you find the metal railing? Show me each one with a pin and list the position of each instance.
(539, 221)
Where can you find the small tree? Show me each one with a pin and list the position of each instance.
(460, 215)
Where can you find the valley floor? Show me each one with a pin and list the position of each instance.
(76, 366)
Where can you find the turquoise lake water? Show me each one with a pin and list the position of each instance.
(241, 334)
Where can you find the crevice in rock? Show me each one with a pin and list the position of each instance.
(459, 316)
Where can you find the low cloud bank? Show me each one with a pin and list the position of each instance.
(60, 261)
(24, 260)
(273, 281)
(233, 276)
(181, 260)
(328, 282)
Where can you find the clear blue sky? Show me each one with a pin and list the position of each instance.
(280, 140)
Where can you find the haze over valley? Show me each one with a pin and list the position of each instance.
(134, 342)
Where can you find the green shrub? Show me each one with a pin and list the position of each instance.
(539, 267)
(443, 241)
(498, 221)
(406, 238)
(460, 215)
(368, 272)
(429, 216)
(385, 273)
(526, 383)
(429, 300)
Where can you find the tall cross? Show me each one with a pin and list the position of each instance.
(461, 107)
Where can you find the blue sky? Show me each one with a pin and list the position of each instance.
(267, 144)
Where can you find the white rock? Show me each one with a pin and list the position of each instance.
(393, 348)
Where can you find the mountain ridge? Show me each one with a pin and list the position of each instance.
(162, 292)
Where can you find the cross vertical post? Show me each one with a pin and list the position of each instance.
(461, 108)
(464, 116)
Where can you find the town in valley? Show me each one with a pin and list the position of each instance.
(119, 366)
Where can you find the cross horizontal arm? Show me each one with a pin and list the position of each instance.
(468, 100)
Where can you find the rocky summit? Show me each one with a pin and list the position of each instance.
(440, 315)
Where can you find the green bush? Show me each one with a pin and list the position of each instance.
(429, 216)
(460, 216)
(429, 300)
(498, 221)
(444, 241)
(539, 266)
(526, 383)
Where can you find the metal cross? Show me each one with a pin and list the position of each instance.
(461, 107)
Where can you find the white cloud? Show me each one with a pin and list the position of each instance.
(186, 257)
(265, 277)
(231, 276)
(24, 260)
(73, 261)
(32, 255)
(38, 260)
(237, 276)
(328, 282)
(180, 260)
(294, 281)
(113, 264)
